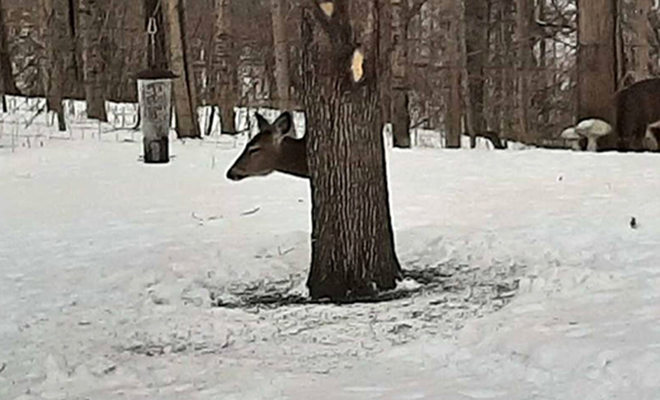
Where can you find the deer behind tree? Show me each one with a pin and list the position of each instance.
(274, 148)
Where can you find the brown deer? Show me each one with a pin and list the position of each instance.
(274, 148)
(637, 107)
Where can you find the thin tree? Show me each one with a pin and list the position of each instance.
(400, 114)
(224, 66)
(353, 251)
(403, 11)
(455, 103)
(281, 52)
(53, 16)
(93, 25)
(476, 43)
(7, 81)
(642, 32)
(524, 21)
(185, 97)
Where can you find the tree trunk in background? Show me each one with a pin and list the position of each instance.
(455, 109)
(353, 251)
(508, 115)
(54, 16)
(157, 54)
(74, 63)
(281, 52)
(185, 98)
(476, 43)
(92, 17)
(400, 113)
(597, 61)
(641, 46)
(224, 66)
(7, 82)
(545, 106)
(524, 21)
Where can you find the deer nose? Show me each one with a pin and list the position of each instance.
(233, 175)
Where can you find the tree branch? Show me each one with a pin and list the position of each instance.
(414, 9)
(323, 19)
(337, 26)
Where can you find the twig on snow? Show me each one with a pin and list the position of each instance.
(250, 212)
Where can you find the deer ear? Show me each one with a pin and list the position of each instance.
(283, 123)
(262, 123)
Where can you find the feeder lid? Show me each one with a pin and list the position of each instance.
(593, 128)
(149, 74)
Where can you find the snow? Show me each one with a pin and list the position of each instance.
(110, 271)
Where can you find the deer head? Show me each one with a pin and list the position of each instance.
(273, 149)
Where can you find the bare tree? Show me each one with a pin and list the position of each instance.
(524, 21)
(455, 109)
(224, 65)
(93, 22)
(185, 98)
(281, 50)
(642, 32)
(400, 102)
(476, 43)
(353, 251)
(7, 82)
(597, 58)
(53, 25)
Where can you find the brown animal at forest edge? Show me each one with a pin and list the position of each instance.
(274, 148)
(637, 107)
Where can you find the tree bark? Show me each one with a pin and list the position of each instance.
(641, 46)
(401, 119)
(597, 61)
(53, 25)
(7, 82)
(524, 21)
(185, 98)
(224, 66)
(156, 56)
(281, 51)
(476, 43)
(353, 251)
(455, 109)
(92, 16)
(400, 113)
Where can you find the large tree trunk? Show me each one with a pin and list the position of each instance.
(54, 16)
(597, 61)
(524, 21)
(7, 82)
(185, 98)
(352, 240)
(281, 51)
(92, 16)
(476, 43)
(224, 71)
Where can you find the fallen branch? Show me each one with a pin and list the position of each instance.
(250, 212)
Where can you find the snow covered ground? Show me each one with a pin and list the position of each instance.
(110, 271)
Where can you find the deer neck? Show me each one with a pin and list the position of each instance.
(293, 158)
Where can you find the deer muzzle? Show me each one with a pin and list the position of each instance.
(234, 175)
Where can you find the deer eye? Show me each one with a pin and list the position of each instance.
(253, 150)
